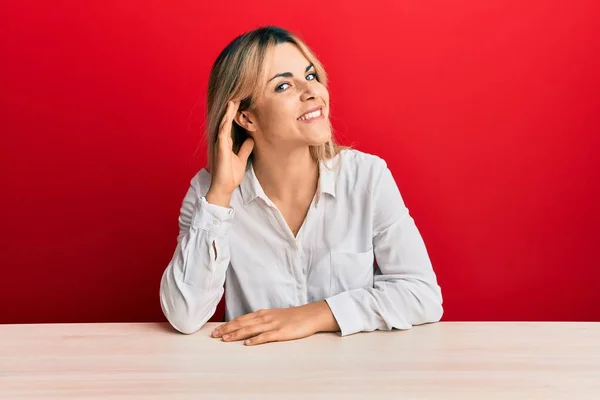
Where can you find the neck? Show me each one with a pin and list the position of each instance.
(286, 176)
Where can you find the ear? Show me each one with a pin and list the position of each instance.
(245, 119)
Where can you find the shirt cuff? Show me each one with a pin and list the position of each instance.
(345, 313)
(211, 217)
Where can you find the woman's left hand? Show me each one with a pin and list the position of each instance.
(278, 324)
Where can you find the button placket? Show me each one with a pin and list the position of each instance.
(299, 260)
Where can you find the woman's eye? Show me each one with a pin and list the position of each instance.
(310, 77)
(281, 87)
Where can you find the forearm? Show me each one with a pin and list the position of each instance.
(322, 316)
(393, 303)
(192, 284)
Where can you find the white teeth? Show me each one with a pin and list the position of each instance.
(310, 115)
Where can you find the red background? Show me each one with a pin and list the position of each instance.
(488, 116)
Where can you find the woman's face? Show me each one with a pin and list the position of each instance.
(293, 110)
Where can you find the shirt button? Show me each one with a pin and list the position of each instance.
(216, 222)
(298, 244)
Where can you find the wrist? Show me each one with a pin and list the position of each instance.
(218, 198)
(324, 318)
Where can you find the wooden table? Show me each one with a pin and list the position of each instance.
(443, 361)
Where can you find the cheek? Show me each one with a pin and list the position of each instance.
(278, 112)
(285, 109)
(323, 93)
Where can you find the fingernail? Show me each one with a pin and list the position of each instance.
(225, 337)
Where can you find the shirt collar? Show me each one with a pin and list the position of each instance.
(327, 176)
(250, 187)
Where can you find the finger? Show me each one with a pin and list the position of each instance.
(226, 116)
(235, 326)
(229, 327)
(236, 107)
(237, 323)
(224, 143)
(246, 332)
(225, 127)
(227, 121)
(251, 316)
(246, 149)
(265, 337)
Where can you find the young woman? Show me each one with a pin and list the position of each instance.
(285, 222)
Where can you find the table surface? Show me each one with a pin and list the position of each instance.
(449, 360)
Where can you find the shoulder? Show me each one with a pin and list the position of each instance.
(357, 164)
(357, 173)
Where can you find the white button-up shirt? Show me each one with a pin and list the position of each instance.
(358, 248)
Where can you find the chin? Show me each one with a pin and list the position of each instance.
(319, 138)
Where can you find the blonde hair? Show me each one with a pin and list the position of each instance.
(239, 73)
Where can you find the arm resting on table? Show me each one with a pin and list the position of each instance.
(192, 284)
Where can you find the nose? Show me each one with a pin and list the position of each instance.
(308, 92)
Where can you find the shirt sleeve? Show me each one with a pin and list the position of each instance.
(192, 283)
(405, 290)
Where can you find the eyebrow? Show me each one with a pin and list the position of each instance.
(289, 74)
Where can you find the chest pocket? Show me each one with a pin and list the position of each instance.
(351, 270)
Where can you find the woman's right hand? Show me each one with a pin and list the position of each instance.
(228, 168)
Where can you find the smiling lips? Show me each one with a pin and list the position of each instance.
(311, 114)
